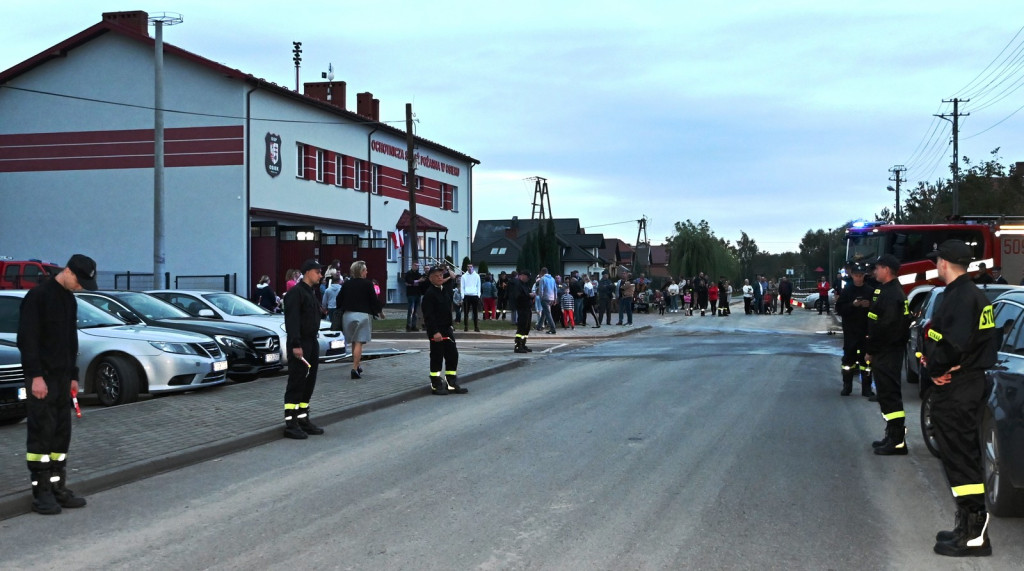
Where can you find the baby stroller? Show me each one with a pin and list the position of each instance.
(641, 304)
(769, 303)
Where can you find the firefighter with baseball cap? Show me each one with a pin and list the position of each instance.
(437, 322)
(888, 331)
(48, 342)
(960, 344)
(852, 306)
(302, 324)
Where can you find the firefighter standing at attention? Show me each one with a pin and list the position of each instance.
(852, 306)
(437, 321)
(302, 325)
(888, 330)
(960, 345)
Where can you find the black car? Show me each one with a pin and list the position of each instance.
(1002, 423)
(13, 392)
(250, 350)
(918, 331)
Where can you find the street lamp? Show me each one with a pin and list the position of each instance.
(159, 236)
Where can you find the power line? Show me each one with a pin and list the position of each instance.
(970, 83)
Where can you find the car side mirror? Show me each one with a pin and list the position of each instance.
(206, 313)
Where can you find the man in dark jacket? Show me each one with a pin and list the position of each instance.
(437, 321)
(48, 341)
(523, 295)
(786, 296)
(960, 345)
(302, 325)
(852, 306)
(888, 330)
(605, 292)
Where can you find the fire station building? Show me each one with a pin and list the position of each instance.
(258, 177)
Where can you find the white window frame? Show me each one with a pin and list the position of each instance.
(357, 177)
(392, 295)
(419, 182)
(392, 251)
(375, 179)
(455, 254)
(320, 157)
(300, 169)
(405, 180)
(339, 170)
(431, 248)
(442, 195)
(455, 198)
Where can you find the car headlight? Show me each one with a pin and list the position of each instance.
(228, 341)
(180, 348)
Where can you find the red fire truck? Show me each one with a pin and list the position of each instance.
(996, 241)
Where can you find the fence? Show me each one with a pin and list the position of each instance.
(131, 281)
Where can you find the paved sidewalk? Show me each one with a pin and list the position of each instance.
(114, 446)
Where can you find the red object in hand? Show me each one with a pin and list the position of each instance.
(74, 399)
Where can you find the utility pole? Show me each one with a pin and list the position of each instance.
(956, 148)
(159, 228)
(409, 153)
(540, 198)
(897, 170)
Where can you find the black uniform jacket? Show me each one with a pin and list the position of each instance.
(437, 310)
(888, 319)
(48, 331)
(522, 294)
(855, 319)
(301, 316)
(962, 331)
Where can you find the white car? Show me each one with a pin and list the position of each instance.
(119, 361)
(230, 307)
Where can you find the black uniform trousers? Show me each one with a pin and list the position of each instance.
(854, 349)
(885, 367)
(302, 379)
(444, 355)
(523, 321)
(49, 424)
(956, 412)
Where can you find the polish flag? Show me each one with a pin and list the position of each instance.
(398, 239)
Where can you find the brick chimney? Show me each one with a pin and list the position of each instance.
(512, 232)
(318, 91)
(367, 106)
(136, 20)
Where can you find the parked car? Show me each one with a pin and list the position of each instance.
(231, 307)
(992, 291)
(13, 391)
(917, 303)
(119, 361)
(25, 274)
(250, 350)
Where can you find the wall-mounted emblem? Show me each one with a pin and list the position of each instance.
(273, 156)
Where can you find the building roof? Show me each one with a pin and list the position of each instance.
(110, 26)
(511, 233)
(423, 224)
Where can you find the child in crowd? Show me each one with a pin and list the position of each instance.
(568, 302)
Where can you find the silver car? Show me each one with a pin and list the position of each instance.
(231, 307)
(118, 361)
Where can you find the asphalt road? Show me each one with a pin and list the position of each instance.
(683, 447)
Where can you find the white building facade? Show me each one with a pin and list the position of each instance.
(258, 178)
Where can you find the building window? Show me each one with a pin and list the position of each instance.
(431, 248)
(455, 199)
(419, 182)
(455, 254)
(391, 249)
(392, 296)
(339, 169)
(498, 251)
(375, 181)
(319, 165)
(300, 159)
(444, 249)
(357, 174)
(405, 180)
(442, 196)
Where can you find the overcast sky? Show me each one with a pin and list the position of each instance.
(765, 117)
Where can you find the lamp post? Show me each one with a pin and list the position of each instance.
(159, 236)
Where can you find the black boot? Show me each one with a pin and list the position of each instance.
(520, 346)
(437, 385)
(865, 386)
(453, 385)
(305, 424)
(291, 425)
(959, 526)
(972, 541)
(58, 484)
(897, 443)
(847, 383)
(43, 501)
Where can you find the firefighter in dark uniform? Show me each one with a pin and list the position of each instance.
(888, 330)
(48, 341)
(961, 343)
(302, 326)
(852, 306)
(524, 297)
(437, 321)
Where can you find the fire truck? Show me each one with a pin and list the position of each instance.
(996, 241)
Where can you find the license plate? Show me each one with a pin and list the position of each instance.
(337, 344)
(22, 394)
(220, 366)
(272, 358)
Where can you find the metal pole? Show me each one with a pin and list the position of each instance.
(159, 259)
(410, 150)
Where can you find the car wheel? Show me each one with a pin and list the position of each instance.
(1003, 499)
(116, 381)
(927, 426)
(11, 420)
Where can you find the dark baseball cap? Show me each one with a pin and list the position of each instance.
(84, 269)
(310, 265)
(953, 250)
(857, 267)
(437, 268)
(889, 261)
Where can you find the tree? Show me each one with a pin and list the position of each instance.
(529, 256)
(818, 247)
(746, 250)
(985, 188)
(483, 269)
(694, 249)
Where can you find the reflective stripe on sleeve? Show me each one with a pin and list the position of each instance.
(872, 315)
(968, 490)
(894, 415)
(934, 335)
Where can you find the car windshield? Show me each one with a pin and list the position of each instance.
(92, 316)
(933, 301)
(233, 305)
(152, 307)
